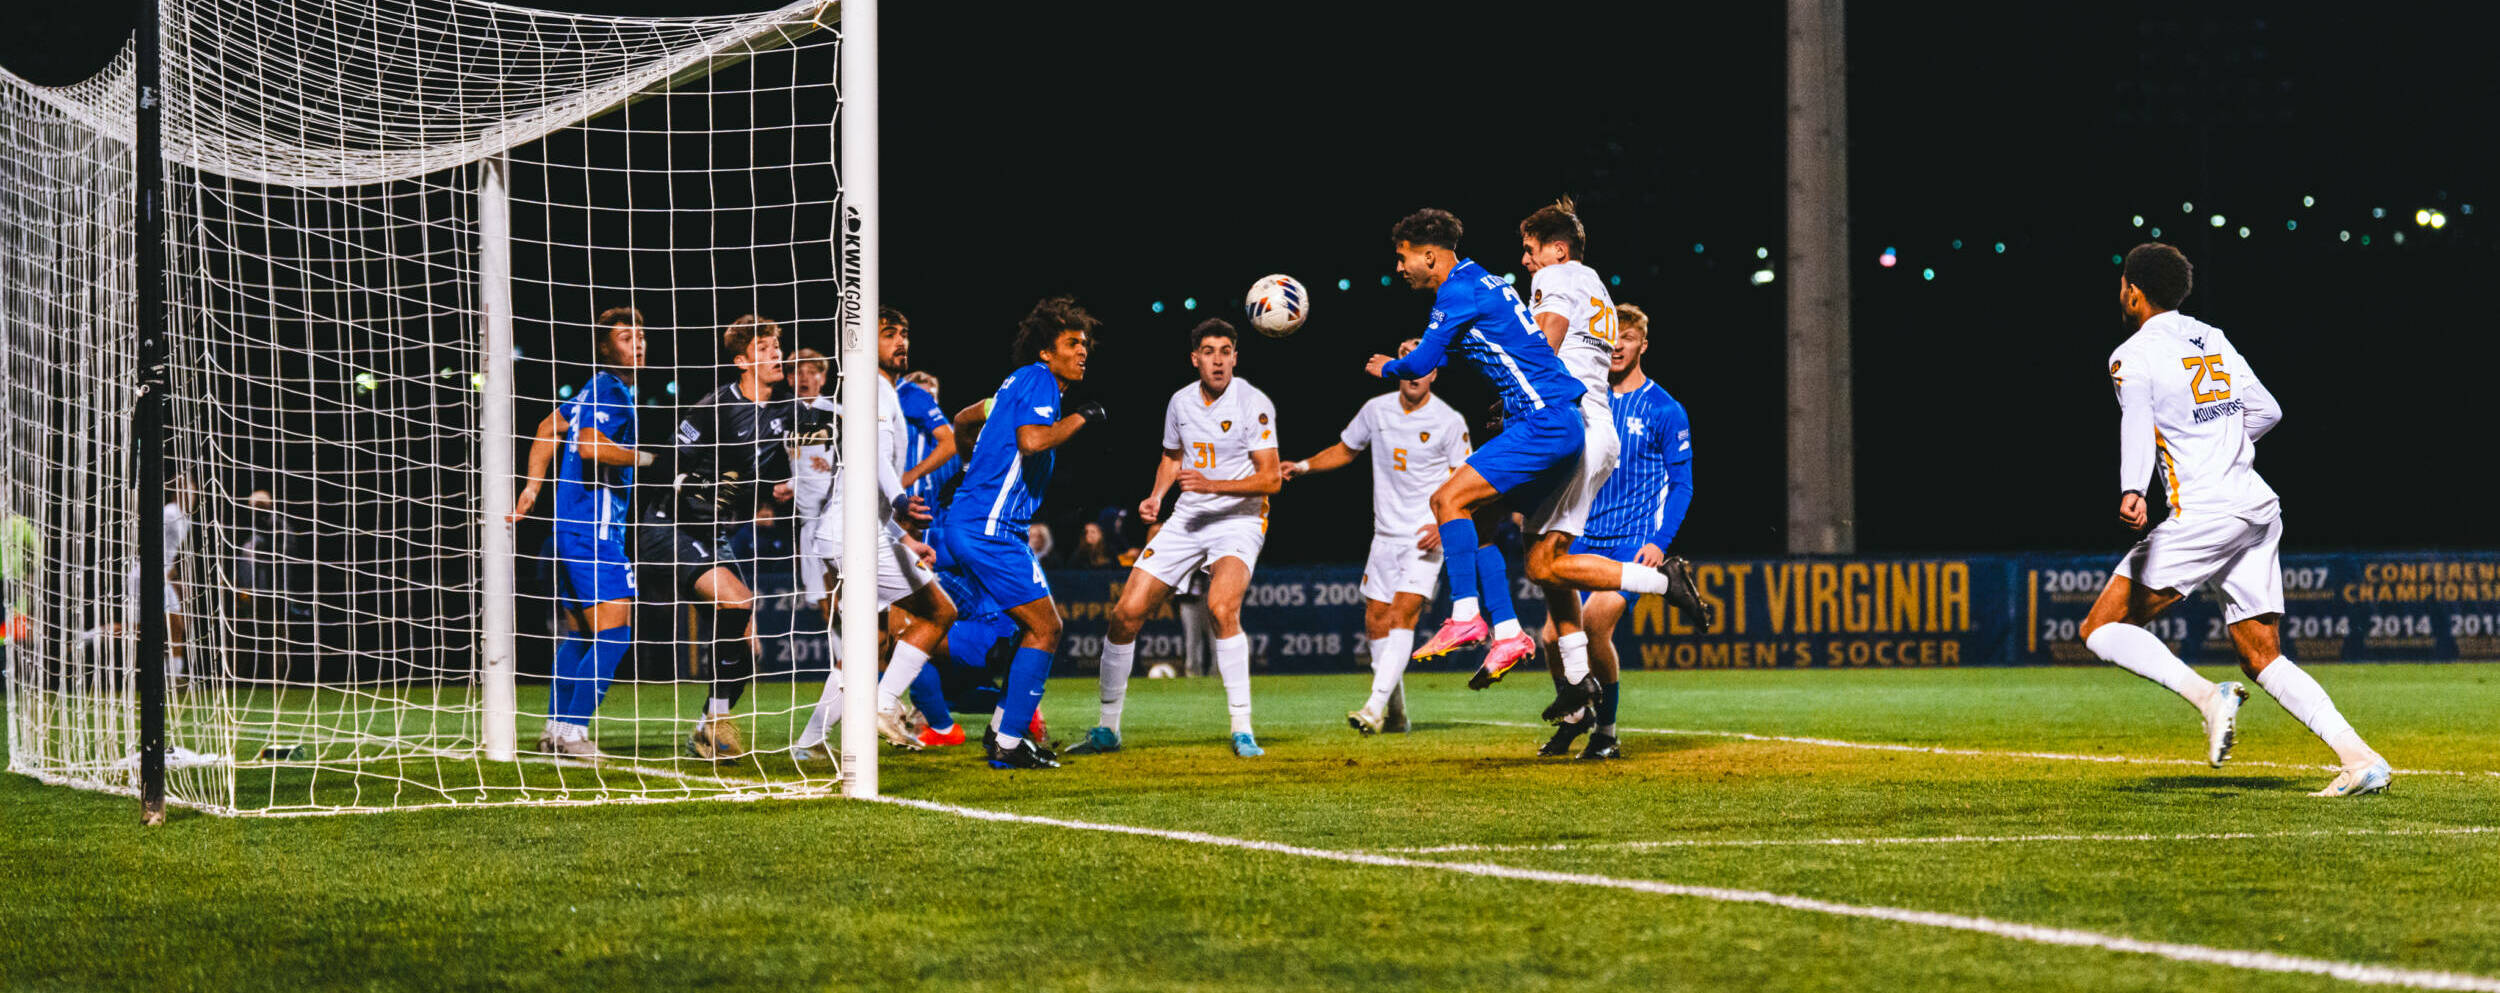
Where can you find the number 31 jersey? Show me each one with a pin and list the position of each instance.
(1216, 437)
(2191, 408)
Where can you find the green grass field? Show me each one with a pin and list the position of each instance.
(829, 893)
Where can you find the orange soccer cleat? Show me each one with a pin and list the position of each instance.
(1453, 636)
(1499, 659)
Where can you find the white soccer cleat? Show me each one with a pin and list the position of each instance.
(2355, 782)
(1367, 720)
(2222, 722)
(891, 727)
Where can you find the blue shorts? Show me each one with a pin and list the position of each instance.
(590, 571)
(1002, 569)
(1535, 454)
(970, 605)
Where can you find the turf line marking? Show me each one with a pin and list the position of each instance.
(1957, 839)
(1879, 746)
(2358, 972)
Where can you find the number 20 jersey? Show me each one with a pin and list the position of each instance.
(2207, 409)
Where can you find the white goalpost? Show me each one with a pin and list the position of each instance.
(391, 229)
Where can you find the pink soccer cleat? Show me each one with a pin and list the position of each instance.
(1499, 659)
(1453, 636)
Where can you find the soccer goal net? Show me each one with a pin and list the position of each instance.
(411, 245)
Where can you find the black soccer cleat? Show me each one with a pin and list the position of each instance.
(1564, 735)
(1023, 756)
(989, 743)
(1684, 593)
(1570, 697)
(1602, 746)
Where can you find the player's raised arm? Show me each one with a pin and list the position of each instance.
(1329, 459)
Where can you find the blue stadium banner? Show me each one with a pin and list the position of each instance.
(1819, 613)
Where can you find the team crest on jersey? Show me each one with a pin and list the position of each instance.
(1536, 296)
(1149, 553)
(1225, 426)
(2113, 367)
(1424, 436)
(1262, 418)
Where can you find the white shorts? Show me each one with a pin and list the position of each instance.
(811, 566)
(1397, 566)
(1179, 552)
(2246, 557)
(899, 572)
(130, 602)
(1567, 510)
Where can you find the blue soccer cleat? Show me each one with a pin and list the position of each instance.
(1246, 746)
(1098, 741)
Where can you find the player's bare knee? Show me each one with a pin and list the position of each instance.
(1227, 618)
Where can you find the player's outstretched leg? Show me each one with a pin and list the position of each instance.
(2363, 770)
(1138, 599)
(1452, 504)
(1227, 581)
(1027, 676)
(2113, 630)
(1599, 615)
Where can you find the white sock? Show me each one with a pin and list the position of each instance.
(2136, 650)
(1463, 608)
(828, 710)
(2302, 697)
(1639, 578)
(1232, 661)
(1506, 629)
(1389, 658)
(1117, 661)
(1009, 742)
(718, 705)
(899, 672)
(1575, 655)
(173, 666)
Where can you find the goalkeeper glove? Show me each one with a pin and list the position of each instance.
(1091, 410)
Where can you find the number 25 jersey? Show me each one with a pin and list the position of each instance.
(2191, 408)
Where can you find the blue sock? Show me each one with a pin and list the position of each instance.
(929, 694)
(1456, 535)
(572, 678)
(1493, 577)
(606, 649)
(1606, 707)
(1024, 690)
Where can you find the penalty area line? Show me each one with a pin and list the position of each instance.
(1955, 839)
(2359, 972)
(1882, 746)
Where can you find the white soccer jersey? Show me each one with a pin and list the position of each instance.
(1216, 439)
(1418, 451)
(811, 488)
(889, 454)
(1572, 289)
(2191, 406)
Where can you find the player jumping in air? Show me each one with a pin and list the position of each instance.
(905, 584)
(1637, 514)
(1421, 442)
(593, 523)
(2190, 406)
(1219, 447)
(993, 507)
(731, 460)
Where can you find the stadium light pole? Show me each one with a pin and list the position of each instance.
(498, 733)
(147, 419)
(1822, 497)
(856, 247)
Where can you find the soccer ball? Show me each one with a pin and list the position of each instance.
(1277, 305)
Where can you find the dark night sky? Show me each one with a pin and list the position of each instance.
(1130, 158)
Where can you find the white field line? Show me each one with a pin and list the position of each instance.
(1878, 746)
(734, 789)
(1957, 839)
(2358, 972)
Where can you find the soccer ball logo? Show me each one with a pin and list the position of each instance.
(1277, 305)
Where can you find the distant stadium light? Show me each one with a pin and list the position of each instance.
(2136, 222)
(2291, 225)
(2156, 232)
(2116, 259)
(1511, 278)
(1345, 284)
(1762, 253)
(1957, 244)
(1158, 307)
(2438, 220)
(1189, 303)
(2000, 248)
(2215, 220)
(2308, 201)
(1761, 276)
(564, 392)
(2243, 231)
(2422, 218)
(2365, 241)
(477, 381)
(1888, 259)
(2343, 236)
(1697, 248)
(2187, 207)
(2378, 212)
(2466, 209)
(2399, 236)
(1927, 274)
(365, 381)
(1384, 280)
(450, 373)
(516, 352)
(672, 387)
(1614, 280)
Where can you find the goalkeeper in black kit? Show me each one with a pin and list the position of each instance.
(732, 471)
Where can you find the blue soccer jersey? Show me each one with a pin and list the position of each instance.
(1480, 318)
(1002, 487)
(591, 497)
(1645, 500)
(921, 414)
